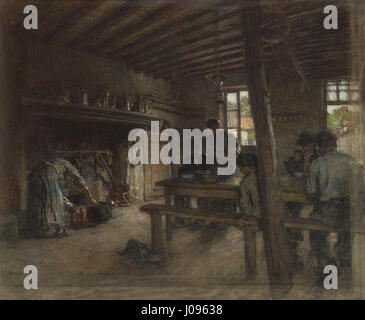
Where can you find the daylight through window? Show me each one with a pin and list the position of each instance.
(342, 100)
(239, 117)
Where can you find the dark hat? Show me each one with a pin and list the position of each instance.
(247, 159)
(305, 139)
(325, 138)
(212, 122)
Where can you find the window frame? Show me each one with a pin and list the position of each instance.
(236, 90)
(348, 90)
(351, 87)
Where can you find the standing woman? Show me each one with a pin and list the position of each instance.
(48, 184)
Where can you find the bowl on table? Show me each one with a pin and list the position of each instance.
(207, 175)
(188, 176)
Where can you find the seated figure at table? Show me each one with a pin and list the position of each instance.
(329, 188)
(249, 197)
(216, 204)
(298, 164)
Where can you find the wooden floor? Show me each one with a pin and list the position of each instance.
(201, 265)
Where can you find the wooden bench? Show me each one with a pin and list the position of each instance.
(249, 227)
(312, 225)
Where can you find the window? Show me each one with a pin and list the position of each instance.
(342, 101)
(239, 118)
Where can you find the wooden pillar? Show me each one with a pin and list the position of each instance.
(13, 55)
(272, 203)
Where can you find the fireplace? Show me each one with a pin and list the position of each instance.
(95, 141)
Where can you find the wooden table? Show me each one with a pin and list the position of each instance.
(227, 189)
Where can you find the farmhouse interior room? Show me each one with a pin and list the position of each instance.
(284, 78)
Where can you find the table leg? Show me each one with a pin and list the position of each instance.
(169, 228)
(169, 220)
(250, 253)
(156, 232)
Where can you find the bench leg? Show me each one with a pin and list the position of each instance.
(168, 228)
(250, 253)
(156, 233)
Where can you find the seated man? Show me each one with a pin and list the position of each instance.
(328, 188)
(225, 149)
(298, 164)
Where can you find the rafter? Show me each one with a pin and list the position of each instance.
(190, 47)
(90, 15)
(57, 16)
(198, 58)
(204, 68)
(234, 67)
(178, 13)
(202, 62)
(126, 11)
(171, 34)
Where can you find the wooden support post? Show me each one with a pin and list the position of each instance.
(272, 203)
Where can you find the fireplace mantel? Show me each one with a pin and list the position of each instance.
(37, 108)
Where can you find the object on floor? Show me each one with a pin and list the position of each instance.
(100, 213)
(139, 252)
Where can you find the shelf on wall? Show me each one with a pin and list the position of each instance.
(37, 108)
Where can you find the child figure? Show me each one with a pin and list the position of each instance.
(249, 197)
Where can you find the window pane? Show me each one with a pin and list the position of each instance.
(244, 138)
(344, 96)
(247, 123)
(331, 96)
(343, 85)
(354, 86)
(248, 137)
(354, 95)
(245, 105)
(232, 101)
(232, 119)
(332, 86)
(234, 131)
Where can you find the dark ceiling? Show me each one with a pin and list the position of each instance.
(176, 39)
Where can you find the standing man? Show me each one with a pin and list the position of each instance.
(328, 188)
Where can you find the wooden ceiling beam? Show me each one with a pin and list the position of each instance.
(173, 33)
(234, 67)
(90, 15)
(184, 50)
(126, 12)
(201, 58)
(55, 16)
(74, 18)
(202, 68)
(185, 59)
(163, 19)
(231, 54)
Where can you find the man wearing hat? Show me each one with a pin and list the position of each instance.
(298, 164)
(328, 188)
